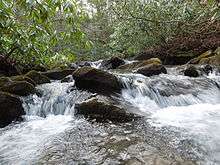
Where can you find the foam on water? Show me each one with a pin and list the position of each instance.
(22, 144)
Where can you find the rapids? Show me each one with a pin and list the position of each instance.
(181, 124)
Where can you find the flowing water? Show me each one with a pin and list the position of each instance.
(181, 125)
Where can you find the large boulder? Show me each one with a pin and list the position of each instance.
(103, 110)
(112, 63)
(10, 109)
(37, 77)
(96, 80)
(191, 71)
(152, 69)
(21, 88)
(58, 74)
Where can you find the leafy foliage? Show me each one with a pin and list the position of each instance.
(56, 32)
(40, 31)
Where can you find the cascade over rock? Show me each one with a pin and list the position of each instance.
(96, 80)
(10, 109)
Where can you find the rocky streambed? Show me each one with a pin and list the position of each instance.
(112, 112)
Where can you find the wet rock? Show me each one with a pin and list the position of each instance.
(207, 69)
(10, 109)
(67, 79)
(102, 110)
(138, 64)
(112, 63)
(21, 88)
(37, 77)
(152, 69)
(82, 63)
(23, 78)
(58, 74)
(96, 80)
(4, 80)
(191, 71)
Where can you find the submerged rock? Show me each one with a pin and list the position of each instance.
(21, 88)
(10, 109)
(112, 63)
(152, 69)
(191, 71)
(58, 74)
(96, 80)
(37, 77)
(102, 110)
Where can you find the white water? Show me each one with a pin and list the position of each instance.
(195, 116)
(192, 109)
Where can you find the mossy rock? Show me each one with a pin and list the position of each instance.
(203, 56)
(37, 77)
(138, 64)
(4, 80)
(23, 78)
(152, 69)
(96, 80)
(21, 88)
(103, 111)
(11, 109)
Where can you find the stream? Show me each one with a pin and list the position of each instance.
(181, 125)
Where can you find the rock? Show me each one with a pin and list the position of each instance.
(4, 80)
(191, 71)
(197, 60)
(207, 69)
(73, 66)
(67, 79)
(21, 88)
(152, 69)
(138, 64)
(37, 77)
(112, 63)
(23, 78)
(58, 74)
(101, 110)
(10, 109)
(96, 80)
(167, 59)
(82, 63)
